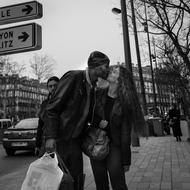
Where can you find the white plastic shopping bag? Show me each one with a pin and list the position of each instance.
(43, 174)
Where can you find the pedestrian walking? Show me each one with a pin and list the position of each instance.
(67, 113)
(40, 138)
(117, 110)
(174, 121)
(165, 124)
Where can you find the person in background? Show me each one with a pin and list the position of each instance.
(165, 124)
(117, 111)
(67, 113)
(174, 122)
(40, 140)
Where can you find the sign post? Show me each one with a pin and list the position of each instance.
(20, 39)
(20, 12)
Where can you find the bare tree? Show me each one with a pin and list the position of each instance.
(10, 67)
(7, 67)
(171, 18)
(170, 59)
(42, 66)
(174, 73)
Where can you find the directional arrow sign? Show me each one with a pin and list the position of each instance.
(21, 38)
(20, 12)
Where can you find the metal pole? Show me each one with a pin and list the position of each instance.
(153, 42)
(138, 59)
(151, 67)
(158, 87)
(127, 51)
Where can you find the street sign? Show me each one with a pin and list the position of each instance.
(21, 38)
(20, 12)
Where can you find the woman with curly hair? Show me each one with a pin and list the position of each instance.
(117, 110)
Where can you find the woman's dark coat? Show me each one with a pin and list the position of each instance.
(174, 117)
(118, 117)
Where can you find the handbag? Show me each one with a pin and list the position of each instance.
(95, 143)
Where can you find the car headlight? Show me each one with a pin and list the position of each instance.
(7, 132)
(5, 139)
(33, 131)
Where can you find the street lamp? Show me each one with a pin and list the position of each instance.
(126, 41)
(127, 52)
(118, 11)
(138, 59)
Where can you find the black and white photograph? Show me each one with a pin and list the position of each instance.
(95, 95)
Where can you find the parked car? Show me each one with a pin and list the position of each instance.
(22, 136)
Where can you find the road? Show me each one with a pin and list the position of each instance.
(11, 164)
(13, 169)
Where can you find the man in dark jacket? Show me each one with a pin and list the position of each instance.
(40, 140)
(67, 113)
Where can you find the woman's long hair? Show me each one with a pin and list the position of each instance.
(129, 100)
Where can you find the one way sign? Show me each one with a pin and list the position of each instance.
(20, 12)
(21, 38)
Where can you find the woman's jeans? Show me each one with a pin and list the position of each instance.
(112, 165)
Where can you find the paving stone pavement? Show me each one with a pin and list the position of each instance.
(160, 163)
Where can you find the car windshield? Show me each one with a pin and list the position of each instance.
(27, 123)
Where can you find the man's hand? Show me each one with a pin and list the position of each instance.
(50, 145)
(126, 168)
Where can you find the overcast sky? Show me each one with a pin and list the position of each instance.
(72, 29)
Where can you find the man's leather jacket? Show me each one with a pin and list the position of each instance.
(68, 107)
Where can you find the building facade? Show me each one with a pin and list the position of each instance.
(164, 92)
(20, 97)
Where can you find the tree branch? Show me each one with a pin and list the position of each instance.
(181, 24)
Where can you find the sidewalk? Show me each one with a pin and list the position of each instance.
(160, 163)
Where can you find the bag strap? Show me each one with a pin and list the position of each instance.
(62, 164)
(94, 106)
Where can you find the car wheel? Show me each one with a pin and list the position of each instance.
(10, 152)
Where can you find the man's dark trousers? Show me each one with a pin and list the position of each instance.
(71, 153)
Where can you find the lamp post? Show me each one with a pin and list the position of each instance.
(118, 11)
(150, 57)
(127, 52)
(138, 59)
(157, 83)
(126, 41)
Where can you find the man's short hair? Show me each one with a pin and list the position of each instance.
(97, 58)
(54, 78)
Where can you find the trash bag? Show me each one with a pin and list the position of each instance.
(43, 174)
